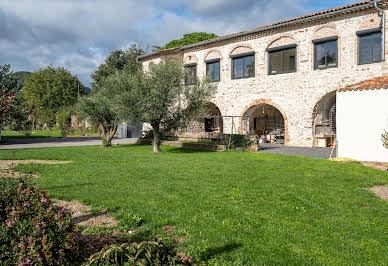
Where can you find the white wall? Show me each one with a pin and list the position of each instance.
(362, 117)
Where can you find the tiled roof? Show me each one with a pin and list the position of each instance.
(371, 84)
(296, 19)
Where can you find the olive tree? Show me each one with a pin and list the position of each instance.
(160, 98)
(99, 109)
(384, 138)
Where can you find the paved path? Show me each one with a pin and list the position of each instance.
(59, 142)
(323, 153)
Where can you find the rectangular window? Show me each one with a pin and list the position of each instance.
(213, 70)
(325, 53)
(243, 66)
(282, 59)
(369, 46)
(191, 75)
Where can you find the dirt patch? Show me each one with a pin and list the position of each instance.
(91, 244)
(376, 165)
(381, 191)
(9, 164)
(81, 214)
(170, 230)
(12, 174)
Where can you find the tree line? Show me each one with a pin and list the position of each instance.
(120, 92)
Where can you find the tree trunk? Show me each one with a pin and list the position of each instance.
(107, 135)
(0, 131)
(110, 134)
(156, 140)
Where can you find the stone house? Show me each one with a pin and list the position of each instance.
(280, 81)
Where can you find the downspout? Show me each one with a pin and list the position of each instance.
(382, 14)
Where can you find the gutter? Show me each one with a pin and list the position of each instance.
(382, 14)
(370, 4)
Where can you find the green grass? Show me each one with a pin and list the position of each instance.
(41, 134)
(232, 207)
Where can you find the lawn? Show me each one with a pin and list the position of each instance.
(231, 207)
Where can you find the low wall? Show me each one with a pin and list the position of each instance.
(192, 146)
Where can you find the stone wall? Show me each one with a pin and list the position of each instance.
(293, 94)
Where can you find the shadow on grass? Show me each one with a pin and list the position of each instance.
(185, 150)
(213, 252)
(71, 186)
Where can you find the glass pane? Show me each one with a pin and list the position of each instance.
(370, 48)
(238, 67)
(289, 60)
(326, 54)
(209, 71)
(275, 62)
(193, 74)
(249, 66)
(320, 55)
(216, 71)
(331, 53)
(213, 71)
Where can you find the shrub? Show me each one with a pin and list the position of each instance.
(32, 230)
(144, 253)
(241, 141)
(384, 138)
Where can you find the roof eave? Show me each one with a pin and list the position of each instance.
(274, 26)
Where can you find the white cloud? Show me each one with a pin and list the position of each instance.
(79, 34)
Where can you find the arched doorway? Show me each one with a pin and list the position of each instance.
(265, 121)
(324, 121)
(212, 120)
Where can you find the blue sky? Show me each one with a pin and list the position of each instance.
(79, 34)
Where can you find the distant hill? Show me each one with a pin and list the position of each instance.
(20, 77)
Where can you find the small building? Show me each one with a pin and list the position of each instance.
(362, 117)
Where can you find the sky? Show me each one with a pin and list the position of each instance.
(80, 34)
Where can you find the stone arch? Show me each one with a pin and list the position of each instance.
(190, 59)
(249, 110)
(324, 120)
(213, 120)
(213, 54)
(325, 31)
(370, 21)
(282, 41)
(241, 49)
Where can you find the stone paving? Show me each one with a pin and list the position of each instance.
(323, 153)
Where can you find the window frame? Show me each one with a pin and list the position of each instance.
(188, 66)
(282, 49)
(241, 56)
(210, 61)
(364, 33)
(321, 41)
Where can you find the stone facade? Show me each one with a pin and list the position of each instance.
(294, 94)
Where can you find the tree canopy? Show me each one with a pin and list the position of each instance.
(160, 97)
(99, 109)
(7, 93)
(48, 90)
(190, 38)
(20, 77)
(117, 60)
